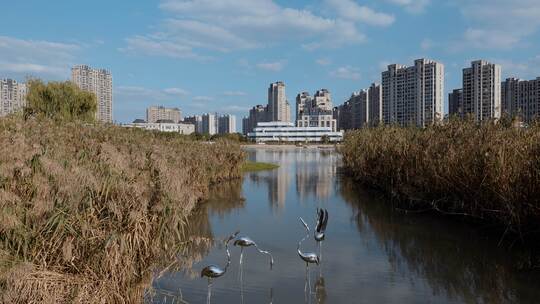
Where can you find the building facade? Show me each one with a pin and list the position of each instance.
(521, 98)
(278, 106)
(164, 125)
(287, 132)
(413, 95)
(258, 113)
(362, 109)
(316, 111)
(195, 120)
(209, 124)
(99, 82)
(155, 113)
(227, 124)
(482, 90)
(455, 103)
(374, 100)
(12, 96)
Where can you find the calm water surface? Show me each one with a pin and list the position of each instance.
(372, 254)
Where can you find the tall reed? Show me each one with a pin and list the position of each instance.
(88, 211)
(489, 171)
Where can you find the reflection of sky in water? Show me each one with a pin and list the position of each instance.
(371, 255)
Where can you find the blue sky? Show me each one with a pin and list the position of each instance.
(221, 55)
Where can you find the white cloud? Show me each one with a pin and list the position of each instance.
(323, 61)
(413, 6)
(346, 72)
(19, 57)
(176, 91)
(150, 94)
(271, 66)
(427, 44)
(155, 45)
(234, 93)
(499, 24)
(203, 98)
(227, 25)
(524, 69)
(351, 10)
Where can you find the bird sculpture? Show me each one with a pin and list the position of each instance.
(245, 242)
(213, 271)
(309, 258)
(320, 228)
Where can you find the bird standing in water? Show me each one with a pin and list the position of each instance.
(308, 257)
(213, 271)
(245, 242)
(320, 228)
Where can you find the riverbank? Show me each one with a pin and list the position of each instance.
(487, 173)
(250, 166)
(89, 211)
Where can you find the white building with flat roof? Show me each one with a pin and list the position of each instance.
(164, 126)
(287, 132)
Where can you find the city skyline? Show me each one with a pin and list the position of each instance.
(169, 53)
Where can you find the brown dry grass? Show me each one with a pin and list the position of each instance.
(491, 172)
(88, 211)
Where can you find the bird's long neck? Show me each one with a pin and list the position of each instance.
(228, 256)
(267, 253)
(305, 237)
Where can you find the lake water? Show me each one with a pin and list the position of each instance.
(372, 253)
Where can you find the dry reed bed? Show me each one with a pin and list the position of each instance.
(490, 172)
(87, 212)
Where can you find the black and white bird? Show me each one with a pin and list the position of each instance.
(245, 242)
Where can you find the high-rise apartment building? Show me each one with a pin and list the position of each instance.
(521, 98)
(258, 113)
(278, 106)
(413, 95)
(209, 124)
(455, 103)
(482, 90)
(227, 124)
(362, 109)
(316, 111)
(374, 105)
(99, 82)
(12, 96)
(197, 121)
(303, 101)
(322, 100)
(155, 113)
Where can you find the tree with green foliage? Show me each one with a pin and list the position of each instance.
(325, 139)
(62, 101)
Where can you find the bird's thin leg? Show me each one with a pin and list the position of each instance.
(305, 285)
(241, 254)
(209, 296)
(320, 251)
(242, 283)
(309, 282)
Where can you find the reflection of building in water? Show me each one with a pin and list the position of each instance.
(278, 185)
(314, 171)
(314, 174)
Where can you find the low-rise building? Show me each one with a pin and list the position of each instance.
(164, 125)
(287, 132)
